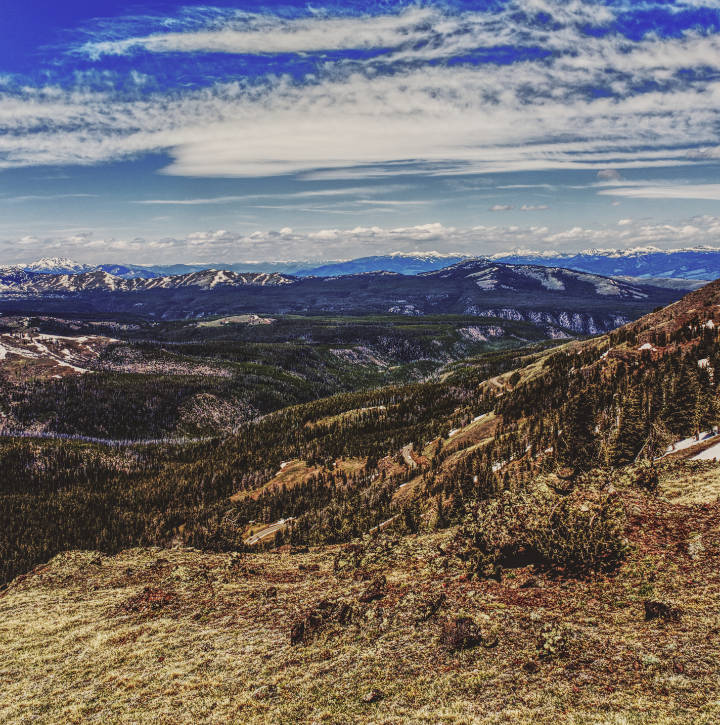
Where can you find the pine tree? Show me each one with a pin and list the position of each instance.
(632, 429)
(578, 444)
(682, 412)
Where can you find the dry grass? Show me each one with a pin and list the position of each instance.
(475, 432)
(295, 473)
(292, 474)
(181, 636)
(692, 482)
(237, 320)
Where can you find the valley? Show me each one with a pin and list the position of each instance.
(463, 487)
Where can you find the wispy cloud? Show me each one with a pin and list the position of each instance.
(45, 197)
(192, 202)
(248, 34)
(376, 115)
(667, 191)
(349, 192)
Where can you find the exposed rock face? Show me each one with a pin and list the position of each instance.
(482, 333)
(582, 323)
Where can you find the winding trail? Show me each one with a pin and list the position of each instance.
(268, 531)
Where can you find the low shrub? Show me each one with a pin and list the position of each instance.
(579, 532)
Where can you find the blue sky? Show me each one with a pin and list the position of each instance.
(167, 132)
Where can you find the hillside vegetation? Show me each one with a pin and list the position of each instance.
(388, 629)
(514, 534)
(589, 404)
(138, 380)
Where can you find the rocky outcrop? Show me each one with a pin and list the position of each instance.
(581, 323)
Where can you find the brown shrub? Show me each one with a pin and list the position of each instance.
(460, 633)
(578, 532)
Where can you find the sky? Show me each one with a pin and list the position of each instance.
(166, 132)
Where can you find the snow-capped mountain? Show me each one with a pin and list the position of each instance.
(57, 265)
(19, 283)
(63, 265)
(492, 276)
(211, 278)
(555, 302)
(697, 263)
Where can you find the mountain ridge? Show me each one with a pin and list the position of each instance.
(561, 301)
(693, 263)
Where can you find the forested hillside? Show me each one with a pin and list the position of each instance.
(413, 456)
(138, 380)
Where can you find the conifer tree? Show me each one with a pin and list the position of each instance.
(632, 430)
(578, 446)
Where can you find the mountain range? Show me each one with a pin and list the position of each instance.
(700, 263)
(559, 300)
(692, 264)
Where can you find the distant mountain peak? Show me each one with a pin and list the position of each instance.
(425, 255)
(57, 265)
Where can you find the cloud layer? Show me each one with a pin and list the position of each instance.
(439, 91)
(334, 243)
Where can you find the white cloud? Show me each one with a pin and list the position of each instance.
(674, 191)
(44, 197)
(356, 119)
(341, 243)
(501, 207)
(310, 193)
(251, 34)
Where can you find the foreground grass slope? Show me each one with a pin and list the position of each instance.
(365, 632)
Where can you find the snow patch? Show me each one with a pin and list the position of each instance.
(689, 442)
(709, 454)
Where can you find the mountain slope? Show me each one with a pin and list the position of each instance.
(701, 263)
(489, 275)
(560, 302)
(377, 641)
